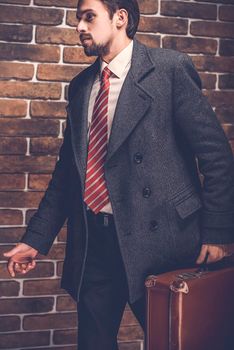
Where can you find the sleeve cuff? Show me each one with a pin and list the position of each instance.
(217, 235)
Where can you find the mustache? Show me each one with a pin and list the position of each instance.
(85, 36)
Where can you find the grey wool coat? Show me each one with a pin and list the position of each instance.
(163, 131)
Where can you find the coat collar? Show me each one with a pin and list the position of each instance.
(134, 100)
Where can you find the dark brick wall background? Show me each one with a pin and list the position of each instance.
(40, 53)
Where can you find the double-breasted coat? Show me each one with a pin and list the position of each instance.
(163, 131)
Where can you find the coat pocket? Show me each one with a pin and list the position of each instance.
(187, 205)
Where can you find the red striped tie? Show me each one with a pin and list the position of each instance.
(96, 193)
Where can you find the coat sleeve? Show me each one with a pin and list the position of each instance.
(53, 208)
(198, 122)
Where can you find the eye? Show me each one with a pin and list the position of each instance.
(89, 17)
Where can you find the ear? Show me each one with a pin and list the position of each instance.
(122, 18)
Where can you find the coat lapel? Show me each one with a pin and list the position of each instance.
(134, 99)
(133, 103)
(78, 115)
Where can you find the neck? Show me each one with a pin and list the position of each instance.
(116, 47)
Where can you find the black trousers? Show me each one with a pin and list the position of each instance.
(104, 291)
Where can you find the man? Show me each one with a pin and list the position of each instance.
(127, 177)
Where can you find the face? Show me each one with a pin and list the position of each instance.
(95, 27)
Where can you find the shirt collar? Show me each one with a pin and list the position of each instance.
(119, 62)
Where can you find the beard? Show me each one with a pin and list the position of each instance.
(94, 49)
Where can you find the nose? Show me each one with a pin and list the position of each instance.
(81, 26)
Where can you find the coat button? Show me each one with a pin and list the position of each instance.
(138, 158)
(146, 192)
(153, 225)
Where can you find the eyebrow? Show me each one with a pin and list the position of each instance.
(79, 14)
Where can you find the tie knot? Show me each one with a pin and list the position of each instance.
(106, 73)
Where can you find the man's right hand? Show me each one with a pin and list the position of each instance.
(21, 259)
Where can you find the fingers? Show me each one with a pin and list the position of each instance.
(216, 253)
(11, 252)
(23, 250)
(10, 267)
(22, 268)
(202, 255)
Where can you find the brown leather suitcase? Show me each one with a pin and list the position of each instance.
(189, 309)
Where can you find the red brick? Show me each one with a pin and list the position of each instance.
(218, 1)
(226, 48)
(3, 249)
(226, 81)
(19, 164)
(225, 114)
(163, 25)
(44, 109)
(208, 80)
(62, 237)
(65, 303)
(128, 319)
(76, 55)
(148, 6)
(232, 146)
(26, 305)
(11, 217)
(220, 98)
(71, 19)
(130, 333)
(68, 336)
(29, 127)
(22, 2)
(38, 182)
(29, 214)
(57, 252)
(226, 13)
(66, 347)
(188, 10)
(30, 15)
(21, 71)
(130, 345)
(60, 3)
(59, 268)
(15, 340)
(9, 323)
(31, 52)
(65, 36)
(16, 145)
(16, 32)
(149, 40)
(12, 182)
(42, 269)
(214, 29)
(30, 90)
(53, 72)
(214, 63)
(20, 199)
(45, 145)
(229, 131)
(11, 234)
(13, 108)
(190, 45)
(42, 287)
(9, 288)
(54, 321)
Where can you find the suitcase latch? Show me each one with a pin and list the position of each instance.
(179, 286)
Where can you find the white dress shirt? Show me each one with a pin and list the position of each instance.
(119, 66)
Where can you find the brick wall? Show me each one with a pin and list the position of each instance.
(39, 55)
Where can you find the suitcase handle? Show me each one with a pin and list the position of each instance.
(204, 266)
(227, 261)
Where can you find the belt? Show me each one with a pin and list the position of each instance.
(100, 219)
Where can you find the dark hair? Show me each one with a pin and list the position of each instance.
(131, 6)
